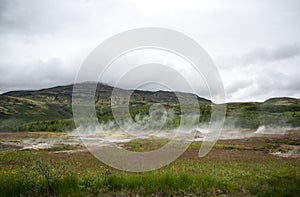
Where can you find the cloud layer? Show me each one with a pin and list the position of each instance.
(254, 43)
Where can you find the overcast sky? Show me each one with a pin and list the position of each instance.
(254, 43)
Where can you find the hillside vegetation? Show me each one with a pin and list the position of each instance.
(51, 109)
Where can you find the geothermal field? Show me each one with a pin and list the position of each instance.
(243, 162)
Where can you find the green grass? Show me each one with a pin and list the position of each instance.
(229, 169)
(188, 177)
(144, 145)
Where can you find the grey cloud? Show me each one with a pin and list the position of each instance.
(292, 82)
(263, 80)
(280, 52)
(238, 85)
(35, 75)
(32, 32)
(35, 17)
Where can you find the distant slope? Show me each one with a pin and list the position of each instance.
(63, 95)
(52, 104)
(274, 112)
(51, 109)
(282, 101)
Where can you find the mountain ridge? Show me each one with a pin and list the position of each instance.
(101, 88)
(19, 110)
(108, 87)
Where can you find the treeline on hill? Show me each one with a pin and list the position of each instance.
(253, 115)
(239, 115)
(13, 125)
(51, 109)
(104, 115)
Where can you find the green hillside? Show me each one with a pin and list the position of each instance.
(51, 110)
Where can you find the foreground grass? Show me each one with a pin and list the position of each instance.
(228, 170)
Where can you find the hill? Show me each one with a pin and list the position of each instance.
(51, 109)
(19, 110)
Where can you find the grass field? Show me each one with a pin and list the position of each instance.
(257, 166)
